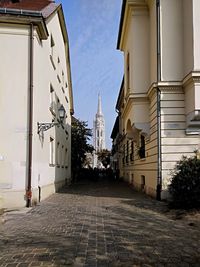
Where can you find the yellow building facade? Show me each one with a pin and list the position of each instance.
(159, 99)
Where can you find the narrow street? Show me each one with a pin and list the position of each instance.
(98, 224)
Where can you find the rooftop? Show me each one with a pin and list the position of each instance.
(35, 5)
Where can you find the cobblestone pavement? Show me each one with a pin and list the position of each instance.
(99, 224)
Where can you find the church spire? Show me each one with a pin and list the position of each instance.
(99, 110)
(98, 133)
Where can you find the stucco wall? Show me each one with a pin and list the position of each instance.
(196, 36)
(171, 40)
(175, 143)
(14, 85)
(14, 42)
(188, 51)
(52, 78)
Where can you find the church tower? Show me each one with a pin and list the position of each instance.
(99, 131)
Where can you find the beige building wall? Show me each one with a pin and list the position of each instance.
(178, 89)
(51, 160)
(171, 31)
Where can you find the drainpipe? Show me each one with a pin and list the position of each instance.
(30, 119)
(159, 171)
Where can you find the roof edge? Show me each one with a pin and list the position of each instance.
(120, 92)
(121, 23)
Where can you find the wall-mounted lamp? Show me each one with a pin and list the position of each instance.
(46, 126)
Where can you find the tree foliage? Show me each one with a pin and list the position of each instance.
(185, 184)
(81, 134)
(104, 157)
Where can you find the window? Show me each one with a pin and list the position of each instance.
(52, 153)
(52, 55)
(127, 151)
(62, 157)
(66, 159)
(57, 100)
(142, 182)
(58, 155)
(52, 100)
(132, 151)
(141, 151)
(58, 77)
(52, 46)
(63, 77)
(124, 151)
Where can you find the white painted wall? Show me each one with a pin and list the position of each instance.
(13, 106)
(14, 84)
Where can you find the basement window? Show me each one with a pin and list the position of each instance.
(15, 1)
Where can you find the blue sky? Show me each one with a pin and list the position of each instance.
(96, 64)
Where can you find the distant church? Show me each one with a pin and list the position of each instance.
(98, 134)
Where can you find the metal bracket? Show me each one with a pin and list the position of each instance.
(46, 126)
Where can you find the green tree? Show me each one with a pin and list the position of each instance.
(80, 134)
(185, 183)
(104, 157)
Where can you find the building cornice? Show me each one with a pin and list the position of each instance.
(192, 77)
(164, 86)
(134, 98)
(38, 21)
(128, 7)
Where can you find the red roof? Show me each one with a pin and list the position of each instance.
(35, 5)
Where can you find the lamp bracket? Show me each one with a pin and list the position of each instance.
(46, 126)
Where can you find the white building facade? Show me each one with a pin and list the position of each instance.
(35, 82)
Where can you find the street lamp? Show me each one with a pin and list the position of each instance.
(46, 126)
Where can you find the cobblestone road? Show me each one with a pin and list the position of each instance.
(99, 224)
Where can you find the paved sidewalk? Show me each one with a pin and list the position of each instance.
(100, 224)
